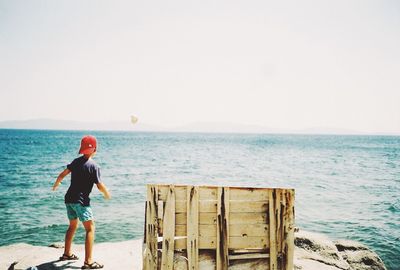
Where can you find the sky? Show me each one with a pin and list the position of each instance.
(279, 64)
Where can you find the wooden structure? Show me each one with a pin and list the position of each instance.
(238, 223)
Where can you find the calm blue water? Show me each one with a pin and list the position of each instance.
(346, 186)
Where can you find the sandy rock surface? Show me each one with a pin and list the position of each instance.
(121, 255)
(312, 252)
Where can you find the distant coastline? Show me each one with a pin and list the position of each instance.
(197, 127)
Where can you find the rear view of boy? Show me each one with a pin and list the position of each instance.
(84, 174)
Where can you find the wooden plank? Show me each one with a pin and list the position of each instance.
(253, 242)
(180, 192)
(249, 194)
(204, 243)
(246, 251)
(167, 259)
(248, 206)
(248, 230)
(222, 261)
(242, 230)
(279, 222)
(207, 193)
(273, 261)
(248, 218)
(249, 256)
(160, 213)
(150, 260)
(162, 192)
(204, 230)
(257, 242)
(180, 206)
(192, 227)
(204, 206)
(146, 261)
(204, 218)
(234, 218)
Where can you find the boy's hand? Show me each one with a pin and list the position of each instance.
(107, 196)
(60, 178)
(103, 189)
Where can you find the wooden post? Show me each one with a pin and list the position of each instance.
(273, 258)
(288, 242)
(150, 261)
(192, 230)
(281, 229)
(167, 259)
(279, 223)
(222, 259)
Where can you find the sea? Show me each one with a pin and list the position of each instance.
(347, 187)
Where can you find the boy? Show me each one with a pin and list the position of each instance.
(84, 174)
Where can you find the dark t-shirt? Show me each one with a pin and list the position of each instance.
(84, 174)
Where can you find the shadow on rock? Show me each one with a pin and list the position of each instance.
(55, 265)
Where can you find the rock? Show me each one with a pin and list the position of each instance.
(359, 256)
(317, 252)
(312, 252)
(57, 245)
(318, 248)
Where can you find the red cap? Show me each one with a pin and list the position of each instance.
(88, 145)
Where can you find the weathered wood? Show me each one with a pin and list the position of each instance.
(273, 261)
(167, 259)
(210, 242)
(204, 243)
(204, 206)
(234, 230)
(249, 256)
(207, 193)
(160, 213)
(279, 222)
(222, 261)
(248, 194)
(204, 218)
(180, 192)
(289, 227)
(250, 242)
(248, 206)
(192, 227)
(248, 230)
(151, 254)
(248, 218)
(251, 223)
(234, 218)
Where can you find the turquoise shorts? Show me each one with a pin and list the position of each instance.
(76, 210)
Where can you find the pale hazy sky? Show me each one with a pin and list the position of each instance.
(280, 64)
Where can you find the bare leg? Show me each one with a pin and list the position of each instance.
(90, 228)
(69, 236)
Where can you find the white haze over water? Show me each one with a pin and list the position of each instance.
(289, 65)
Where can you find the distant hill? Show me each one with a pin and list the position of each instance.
(206, 127)
(224, 127)
(75, 125)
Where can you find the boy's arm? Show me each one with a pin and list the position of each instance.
(60, 178)
(103, 189)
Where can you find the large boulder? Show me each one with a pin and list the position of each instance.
(317, 251)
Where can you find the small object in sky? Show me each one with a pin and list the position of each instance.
(134, 119)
